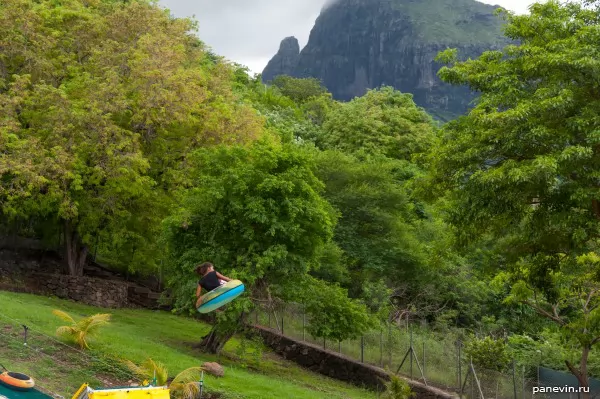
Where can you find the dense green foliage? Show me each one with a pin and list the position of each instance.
(333, 315)
(382, 121)
(488, 353)
(299, 90)
(120, 134)
(256, 212)
(98, 111)
(397, 388)
(522, 166)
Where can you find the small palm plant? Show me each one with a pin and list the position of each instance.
(149, 370)
(184, 385)
(79, 332)
(397, 388)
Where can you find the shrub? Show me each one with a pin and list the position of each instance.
(488, 353)
(397, 388)
(149, 370)
(79, 332)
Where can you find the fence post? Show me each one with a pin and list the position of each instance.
(303, 322)
(476, 379)
(362, 349)
(458, 343)
(160, 275)
(276, 320)
(423, 359)
(411, 353)
(514, 371)
(96, 248)
(381, 348)
(25, 328)
(523, 382)
(390, 346)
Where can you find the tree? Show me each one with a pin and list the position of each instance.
(375, 230)
(522, 166)
(383, 121)
(487, 354)
(291, 118)
(333, 315)
(98, 113)
(257, 214)
(299, 90)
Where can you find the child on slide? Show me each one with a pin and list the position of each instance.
(210, 279)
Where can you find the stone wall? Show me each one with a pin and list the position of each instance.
(19, 264)
(338, 366)
(92, 291)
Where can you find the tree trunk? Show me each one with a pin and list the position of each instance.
(596, 208)
(582, 373)
(220, 334)
(76, 252)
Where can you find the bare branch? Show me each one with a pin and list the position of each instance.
(589, 298)
(552, 316)
(555, 311)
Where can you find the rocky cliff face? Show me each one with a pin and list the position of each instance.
(286, 59)
(356, 45)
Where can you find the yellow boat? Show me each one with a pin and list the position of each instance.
(148, 392)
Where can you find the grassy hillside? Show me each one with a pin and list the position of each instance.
(136, 335)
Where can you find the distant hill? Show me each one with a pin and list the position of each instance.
(360, 44)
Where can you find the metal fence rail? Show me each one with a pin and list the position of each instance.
(437, 361)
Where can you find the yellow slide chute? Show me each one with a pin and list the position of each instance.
(85, 392)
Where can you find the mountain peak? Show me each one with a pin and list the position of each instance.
(284, 62)
(290, 45)
(356, 45)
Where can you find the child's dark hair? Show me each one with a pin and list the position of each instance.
(201, 269)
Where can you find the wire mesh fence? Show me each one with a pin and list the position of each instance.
(435, 360)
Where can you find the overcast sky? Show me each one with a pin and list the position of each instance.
(249, 31)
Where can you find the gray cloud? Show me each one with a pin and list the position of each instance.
(249, 31)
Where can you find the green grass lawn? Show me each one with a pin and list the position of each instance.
(137, 335)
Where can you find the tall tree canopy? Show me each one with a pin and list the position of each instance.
(99, 104)
(523, 164)
(256, 212)
(299, 90)
(383, 121)
(375, 230)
